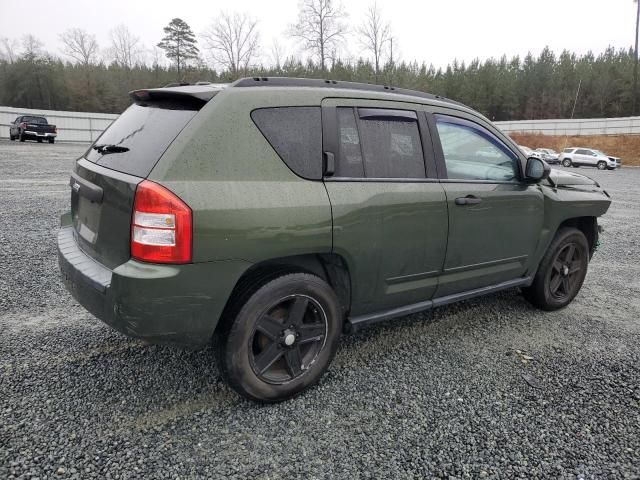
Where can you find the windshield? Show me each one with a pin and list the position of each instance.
(135, 141)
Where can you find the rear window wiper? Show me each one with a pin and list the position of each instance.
(104, 149)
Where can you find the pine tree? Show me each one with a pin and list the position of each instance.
(179, 43)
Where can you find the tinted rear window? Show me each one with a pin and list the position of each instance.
(295, 133)
(147, 131)
(392, 148)
(37, 120)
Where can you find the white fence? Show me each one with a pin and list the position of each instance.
(72, 126)
(584, 126)
(85, 127)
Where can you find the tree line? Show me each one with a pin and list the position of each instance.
(87, 78)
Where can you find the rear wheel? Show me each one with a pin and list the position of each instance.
(282, 339)
(39, 140)
(11, 137)
(601, 165)
(561, 271)
(22, 139)
(52, 140)
(566, 162)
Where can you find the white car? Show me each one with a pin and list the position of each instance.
(588, 157)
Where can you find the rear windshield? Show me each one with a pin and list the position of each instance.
(38, 120)
(146, 131)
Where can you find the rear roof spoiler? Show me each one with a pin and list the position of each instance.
(204, 93)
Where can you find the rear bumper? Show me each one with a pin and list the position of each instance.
(159, 303)
(29, 133)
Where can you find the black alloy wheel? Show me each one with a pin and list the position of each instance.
(287, 339)
(566, 272)
(561, 272)
(279, 335)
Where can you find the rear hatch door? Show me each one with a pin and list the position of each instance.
(104, 180)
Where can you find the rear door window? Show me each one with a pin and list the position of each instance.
(391, 144)
(350, 151)
(145, 132)
(295, 133)
(379, 143)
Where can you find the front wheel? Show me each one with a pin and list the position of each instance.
(11, 137)
(22, 139)
(282, 339)
(566, 163)
(561, 272)
(601, 165)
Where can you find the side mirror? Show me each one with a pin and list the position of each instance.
(537, 170)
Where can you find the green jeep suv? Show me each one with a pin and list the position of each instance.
(271, 215)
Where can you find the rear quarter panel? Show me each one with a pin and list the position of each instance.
(247, 204)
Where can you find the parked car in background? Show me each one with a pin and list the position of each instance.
(29, 127)
(550, 156)
(291, 210)
(528, 152)
(588, 157)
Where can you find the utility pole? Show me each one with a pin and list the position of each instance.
(576, 99)
(635, 64)
(575, 102)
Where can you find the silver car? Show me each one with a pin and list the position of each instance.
(588, 157)
(550, 155)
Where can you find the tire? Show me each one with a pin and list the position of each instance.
(566, 162)
(39, 140)
(52, 140)
(266, 358)
(12, 138)
(601, 165)
(22, 139)
(561, 272)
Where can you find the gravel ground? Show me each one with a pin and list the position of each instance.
(446, 393)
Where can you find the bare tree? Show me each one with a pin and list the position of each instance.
(232, 41)
(157, 57)
(375, 35)
(8, 48)
(31, 46)
(277, 53)
(126, 49)
(80, 46)
(320, 26)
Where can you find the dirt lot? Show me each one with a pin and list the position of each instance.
(626, 147)
(446, 393)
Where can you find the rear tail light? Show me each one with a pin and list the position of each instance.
(160, 226)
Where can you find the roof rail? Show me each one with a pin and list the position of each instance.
(322, 83)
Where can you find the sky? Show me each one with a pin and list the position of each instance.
(433, 31)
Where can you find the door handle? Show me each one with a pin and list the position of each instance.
(329, 167)
(468, 200)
